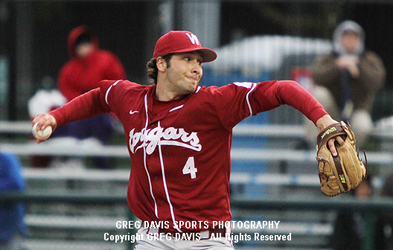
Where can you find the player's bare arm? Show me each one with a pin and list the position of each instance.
(324, 122)
(44, 120)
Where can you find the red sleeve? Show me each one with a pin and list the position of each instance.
(81, 107)
(272, 94)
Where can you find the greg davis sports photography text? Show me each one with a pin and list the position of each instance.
(236, 231)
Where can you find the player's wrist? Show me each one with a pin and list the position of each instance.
(324, 121)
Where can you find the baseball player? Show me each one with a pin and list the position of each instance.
(179, 138)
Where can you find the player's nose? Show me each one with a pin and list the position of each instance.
(197, 73)
(196, 67)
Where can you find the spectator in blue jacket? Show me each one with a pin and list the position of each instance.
(12, 226)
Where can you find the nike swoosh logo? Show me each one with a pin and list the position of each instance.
(133, 112)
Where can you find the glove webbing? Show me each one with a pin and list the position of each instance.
(340, 172)
(323, 137)
(328, 133)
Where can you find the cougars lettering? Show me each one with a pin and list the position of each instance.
(150, 138)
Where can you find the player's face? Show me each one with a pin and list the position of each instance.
(184, 73)
(83, 49)
(350, 41)
(363, 190)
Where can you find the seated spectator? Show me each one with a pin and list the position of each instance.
(347, 80)
(355, 229)
(384, 232)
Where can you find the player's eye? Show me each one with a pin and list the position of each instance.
(190, 58)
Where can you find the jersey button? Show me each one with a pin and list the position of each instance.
(155, 178)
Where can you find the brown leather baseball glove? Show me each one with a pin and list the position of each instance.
(343, 172)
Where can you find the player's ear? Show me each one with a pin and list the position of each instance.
(161, 64)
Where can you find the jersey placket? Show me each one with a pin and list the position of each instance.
(145, 160)
(155, 169)
(166, 187)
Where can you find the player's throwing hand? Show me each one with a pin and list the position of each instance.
(43, 121)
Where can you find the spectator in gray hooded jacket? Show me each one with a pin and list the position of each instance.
(348, 78)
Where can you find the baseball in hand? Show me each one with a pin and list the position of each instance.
(41, 134)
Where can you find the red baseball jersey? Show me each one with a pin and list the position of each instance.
(180, 150)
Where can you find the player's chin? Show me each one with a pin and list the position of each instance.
(194, 87)
(191, 87)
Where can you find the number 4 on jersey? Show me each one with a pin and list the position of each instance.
(190, 168)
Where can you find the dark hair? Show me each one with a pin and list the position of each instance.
(83, 38)
(369, 180)
(387, 189)
(152, 70)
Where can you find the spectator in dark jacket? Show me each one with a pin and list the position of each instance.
(384, 232)
(347, 79)
(355, 229)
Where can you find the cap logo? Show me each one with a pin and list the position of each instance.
(182, 42)
(193, 38)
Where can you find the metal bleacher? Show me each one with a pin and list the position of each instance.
(262, 157)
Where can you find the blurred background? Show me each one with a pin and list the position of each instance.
(69, 203)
